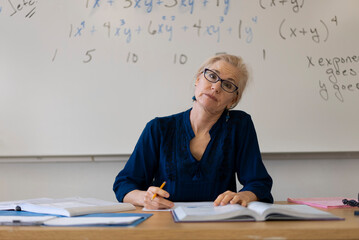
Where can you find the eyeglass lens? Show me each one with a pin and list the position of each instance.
(225, 84)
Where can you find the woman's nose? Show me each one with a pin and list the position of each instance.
(216, 86)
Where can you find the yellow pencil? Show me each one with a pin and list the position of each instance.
(155, 195)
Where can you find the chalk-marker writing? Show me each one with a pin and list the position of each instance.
(27, 6)
(340, 76)
(295, 4)
(180, 58)
(318, 33)
(89, 55)
(132, 58)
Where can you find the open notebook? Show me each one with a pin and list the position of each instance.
(66, 206)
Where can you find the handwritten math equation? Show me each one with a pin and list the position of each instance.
(150, 5)
(215, 21)
(319, 32)
(341, 76)
(165, 28)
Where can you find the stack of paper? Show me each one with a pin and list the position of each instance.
(325, 202)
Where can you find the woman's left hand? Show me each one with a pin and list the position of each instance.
(242, 198)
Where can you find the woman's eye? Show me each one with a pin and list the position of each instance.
(213, 76)
(227, 85)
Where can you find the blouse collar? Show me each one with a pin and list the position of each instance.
(215, 128)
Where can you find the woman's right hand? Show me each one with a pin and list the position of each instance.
(144, 198)
(159, 202)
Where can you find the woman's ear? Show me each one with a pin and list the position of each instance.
(196, 82)
(234, 100)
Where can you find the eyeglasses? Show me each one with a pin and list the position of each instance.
(226, 85)
(351, 203)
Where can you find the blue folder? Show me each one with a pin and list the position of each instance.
(143, 216)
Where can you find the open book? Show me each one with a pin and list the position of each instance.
(66, 206)
(256, 211)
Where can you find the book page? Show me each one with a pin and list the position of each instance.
(76, 202)
(182, 204)
(32, 200)
(76, 206)
(259, 207)
(279, 211)
(228, 212)
(10, 205)
(84, 221)
(57, 206)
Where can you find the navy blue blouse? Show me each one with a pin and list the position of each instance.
(162, 153)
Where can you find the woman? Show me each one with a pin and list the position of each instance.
(198, 152)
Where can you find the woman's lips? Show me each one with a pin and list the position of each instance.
(211, 97)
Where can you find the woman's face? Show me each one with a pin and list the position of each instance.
(211, 96)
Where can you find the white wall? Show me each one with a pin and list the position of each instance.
(294, 176)
(314, 178)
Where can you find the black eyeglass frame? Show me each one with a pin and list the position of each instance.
(219, 79)
(351, 203)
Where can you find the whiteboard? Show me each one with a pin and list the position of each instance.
(84, 77)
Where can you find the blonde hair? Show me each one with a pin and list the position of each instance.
(234, 61)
